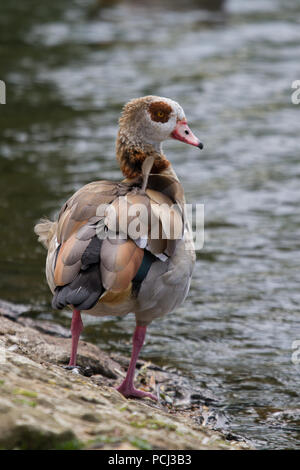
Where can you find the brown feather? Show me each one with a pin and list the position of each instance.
(65, 274)
(115, 298)
(119, 263)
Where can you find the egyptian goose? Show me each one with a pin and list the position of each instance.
(96, 262)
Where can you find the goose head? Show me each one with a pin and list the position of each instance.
(144, 125)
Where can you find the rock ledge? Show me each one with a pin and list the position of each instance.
(44, 406)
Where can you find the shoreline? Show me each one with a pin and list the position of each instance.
(45, 406)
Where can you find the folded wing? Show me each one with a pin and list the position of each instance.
(102, 234)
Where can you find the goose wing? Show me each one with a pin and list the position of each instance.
(105, 231)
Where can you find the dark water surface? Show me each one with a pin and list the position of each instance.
(69, 67)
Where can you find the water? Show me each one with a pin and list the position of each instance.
(69, 68)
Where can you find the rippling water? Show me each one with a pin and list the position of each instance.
(68, 71)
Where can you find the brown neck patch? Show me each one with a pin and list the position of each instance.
(131, 159)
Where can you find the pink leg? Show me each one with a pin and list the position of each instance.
(76, 329)
(127, 387)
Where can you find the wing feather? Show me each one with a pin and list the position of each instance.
(85, 266)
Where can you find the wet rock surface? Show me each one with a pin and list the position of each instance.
(43, 405)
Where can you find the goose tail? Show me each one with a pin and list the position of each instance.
(45, 229)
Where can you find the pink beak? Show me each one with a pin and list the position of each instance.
(183, 132)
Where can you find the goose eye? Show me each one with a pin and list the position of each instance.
(160, 114)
